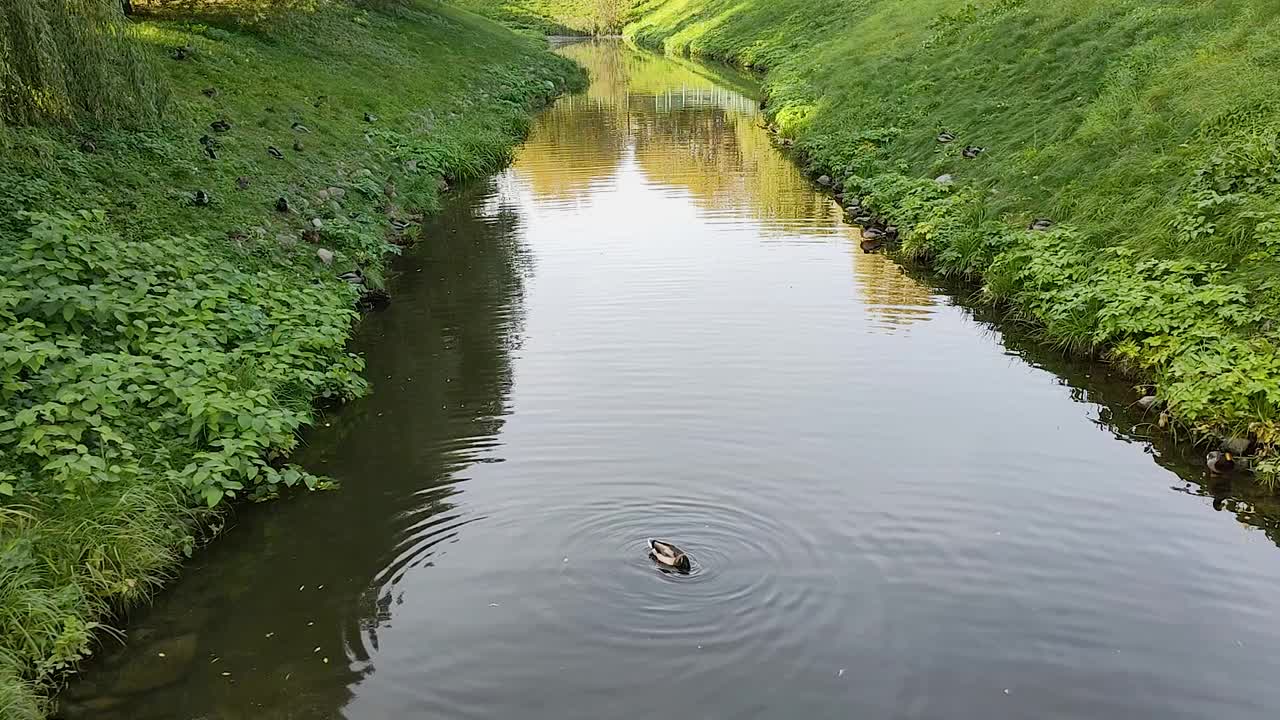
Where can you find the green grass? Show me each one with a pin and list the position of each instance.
(1147, 131)
(554, 17)
(157, 356)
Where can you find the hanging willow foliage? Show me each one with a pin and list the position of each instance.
(73, 62)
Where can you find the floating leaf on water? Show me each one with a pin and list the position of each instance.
(840, 672)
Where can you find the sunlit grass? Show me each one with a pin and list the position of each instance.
(1146, 131)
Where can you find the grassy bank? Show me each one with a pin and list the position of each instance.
(555, 17)
(169, 310)
(1147, 132)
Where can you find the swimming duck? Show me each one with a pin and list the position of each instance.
(945, 137)
(1219, 463)
(972, 151)
(274, 152)
(869, 246)
(664, 553)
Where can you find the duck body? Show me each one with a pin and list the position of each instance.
(945, 137)
(1219, 463)
(666, 554)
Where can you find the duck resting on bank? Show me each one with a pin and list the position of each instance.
(664, 553)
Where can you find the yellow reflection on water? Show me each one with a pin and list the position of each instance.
(892, 296)
(700, 135)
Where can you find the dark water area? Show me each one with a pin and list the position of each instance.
(653, 326)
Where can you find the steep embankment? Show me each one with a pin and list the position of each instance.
(543, 17)
(555, 17)
(1147, 132)
(168, 304)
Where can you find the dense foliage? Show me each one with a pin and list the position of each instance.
(165, 328)
(1146, 131)
(73, 61)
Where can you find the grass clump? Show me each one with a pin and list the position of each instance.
(165, 327)
(1147, 132)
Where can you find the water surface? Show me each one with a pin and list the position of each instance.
(652, 325)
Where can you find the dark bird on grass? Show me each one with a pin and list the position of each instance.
(1219, 463)
(182, 53)
(320, 100)
(242, 182)
(88, 146)
(972, 151)
(274, 152)
(210, 92)
(220, 126)
(297, 146)
(299, 127)
(945, 137)
(664, 553)
(872, 233)
(200, 199)
(211, 151)
(282, 205)
(353, 277)
(1040, 224)
(370, 117)
(862, 220)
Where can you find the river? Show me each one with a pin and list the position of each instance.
(653, 325)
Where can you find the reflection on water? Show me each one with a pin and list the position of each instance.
(649, 327)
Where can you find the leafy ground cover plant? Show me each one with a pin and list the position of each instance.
(169, 307)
